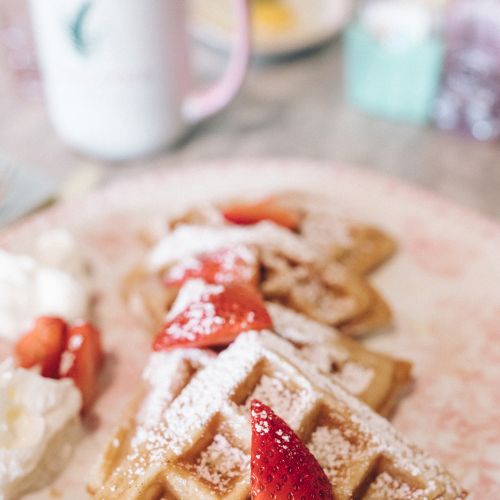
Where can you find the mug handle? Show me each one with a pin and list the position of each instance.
(204, 103)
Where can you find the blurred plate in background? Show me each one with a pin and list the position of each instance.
(280, 27)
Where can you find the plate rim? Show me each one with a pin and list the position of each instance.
(188, 168)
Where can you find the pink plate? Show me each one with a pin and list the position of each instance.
(444, 286)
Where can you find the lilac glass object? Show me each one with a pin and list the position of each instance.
(17, 52)
(469, 100)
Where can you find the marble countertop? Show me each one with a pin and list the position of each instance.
(292, 108)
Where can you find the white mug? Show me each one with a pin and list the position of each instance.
(117, 73)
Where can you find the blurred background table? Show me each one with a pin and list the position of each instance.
(292, 108)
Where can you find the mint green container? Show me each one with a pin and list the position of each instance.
(399, 82)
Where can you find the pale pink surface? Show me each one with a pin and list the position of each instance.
(444, 285)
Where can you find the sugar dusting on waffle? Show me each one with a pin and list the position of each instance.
(298, 329)
(228, 260)
(220, 463)
(210, 392)
(284, 398)
(323, 441)
(189, 241)
(205, 395)
(166, 374)
(355, 377)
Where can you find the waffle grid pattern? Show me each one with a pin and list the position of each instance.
(185, 454)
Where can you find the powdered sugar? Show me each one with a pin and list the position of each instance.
(166, 374)
(188, 241)
(327, 231)
(390, 488)
(332, 450)
(287, 402)
(220, 463)
(219, 312)
(192, 291)
(298, 328)
(200, 319)
(237, 263)
(284, 378)
(295, 327)
(355, 377)
(178, 271)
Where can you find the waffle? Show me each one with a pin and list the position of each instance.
(325, 291)
(375, 378)
(192, 440)
(296, 271)
(320, 269)
(361, 248)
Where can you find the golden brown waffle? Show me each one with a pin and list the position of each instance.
(295, 272)
(375, 378)
(327, 292)
(376, 316)
(147, 296)
(193, 440)
(320, 269)
(359, 247)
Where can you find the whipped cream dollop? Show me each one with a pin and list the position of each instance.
(38, 425)
(189, 241)
(53, 282)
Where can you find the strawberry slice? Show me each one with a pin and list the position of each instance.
(266, 209)
(216, 318)
(43, 346)
(281, 465)
(238, 264)
(82, 359)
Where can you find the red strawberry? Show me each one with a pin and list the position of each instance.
(43, 346)
(220, 314)
(282, 467)
(266, 209)
(82, 359)
(237, 264)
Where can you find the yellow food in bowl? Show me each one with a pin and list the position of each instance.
(272, 15)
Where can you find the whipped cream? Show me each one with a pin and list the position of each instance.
(38, 426)
(189, 241)
(52, 283)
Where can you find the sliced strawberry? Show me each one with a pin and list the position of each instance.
(238, 264)
(89, 331)
(216, 318)
(43, 346)
(82, 359)
(281, 465)
(266, 209)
